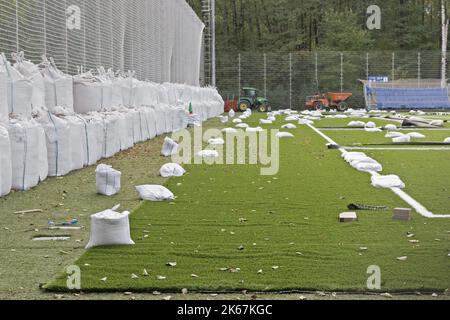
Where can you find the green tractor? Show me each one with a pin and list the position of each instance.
(251, 100)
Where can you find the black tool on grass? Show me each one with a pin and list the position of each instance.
(358, 206)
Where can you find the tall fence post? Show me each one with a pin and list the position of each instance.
(239, 77)
(367, 67)
(316, 71)
(342, 72)
(419, 71)
(17, 26)
(393, 68)
(290, 80)
(265, 76)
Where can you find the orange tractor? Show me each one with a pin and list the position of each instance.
(328, 101)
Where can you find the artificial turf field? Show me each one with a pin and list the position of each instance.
(232, 218)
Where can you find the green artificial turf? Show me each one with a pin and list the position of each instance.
(231, 217)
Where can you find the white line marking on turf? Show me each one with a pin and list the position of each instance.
(403, 195)
(397, 149)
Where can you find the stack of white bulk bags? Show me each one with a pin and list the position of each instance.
(126, 126)
(31, 72)
(58, 86)
(59, 144)
(148, 115)
(28, 153)
(92, 93)
(5, 163)
(19, 90)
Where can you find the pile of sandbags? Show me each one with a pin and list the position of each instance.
(361, 162)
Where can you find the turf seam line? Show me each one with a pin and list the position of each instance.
(421, 209)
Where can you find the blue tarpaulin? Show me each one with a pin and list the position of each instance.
(409, 98)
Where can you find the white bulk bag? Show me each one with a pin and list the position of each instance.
(91, 93)
(126, 129)
(172, 170)
(160, 120)
(31, 72)
(169, 147)
(371, 125)
(58, 87)
(155, 193)
(110, 228)
(59, 144)
(93, 138)
(149, 116)
(3, 94)
(77, 141)
(107, 180)
(253, 130)
(284, 135)
(29, 153)
(387, 182)
(19, 91)
(111, 134)
(264, 121)
(356, 124)
(5, 163)
(180, 120)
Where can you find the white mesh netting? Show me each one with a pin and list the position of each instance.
(159, 39)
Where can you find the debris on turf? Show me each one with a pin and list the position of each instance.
(348, 217)
(402, 258)
(403, 214)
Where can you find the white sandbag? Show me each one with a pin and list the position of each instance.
(5, 163)
(169, 147)
(356, 124)
(292, 118)
(29, 153)
(391, 135)
(232, 114)
(402, 139)
(155, 193)
(305, 122)
(208, 154)
(373, 130)
(253, 130)
(229, 130)
(371, 125)
(58, 87)
(351, 156)
(289, 126)
(59, 144)
(390, 127)
(110, 228)
(107, 180)
(368, 167)
(437, 123)
(171, 170)
(281, 135)
(243, 117)
(416, 135)
(224, 119)
(31, 72)
(242, 125)
(447, 140)
(216, 142)
(263, 121)
(386, 182)
(341, 116)
(237, 121)
(19, 91)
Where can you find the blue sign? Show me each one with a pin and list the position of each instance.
(378, 79)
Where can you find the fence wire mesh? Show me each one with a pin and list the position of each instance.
(161, 40)
(286, 79)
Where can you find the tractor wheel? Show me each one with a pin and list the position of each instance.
(263, 108)
(318, 106)
(244, 106)
(342, 106)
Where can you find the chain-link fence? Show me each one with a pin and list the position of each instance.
(159, 39)
(286, 79)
